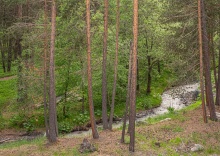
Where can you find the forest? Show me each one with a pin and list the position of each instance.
(92, 77)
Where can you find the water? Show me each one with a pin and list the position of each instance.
(176, 98)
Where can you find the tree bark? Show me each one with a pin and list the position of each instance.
(9, 55)
(115, 66)
(89, 72)
(133, 78)
(149, 75)
(46, 69)
(201, 62)
(217, 102)
(3, 58)
(104, 75)
(53, 132)
(128, 94)
(208, 83)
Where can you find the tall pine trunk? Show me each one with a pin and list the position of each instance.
(115, 66)
(46, 69)
(128, 94)
(104, 74)
(89, 72)
(208, 83)
(9, 55)
(133, 78)
(201, 62)
(3, 57)
(53, 130)
(217, 102)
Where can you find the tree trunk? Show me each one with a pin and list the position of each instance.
(53, 131)
(208, 83)
(138, 85)
(149, 75)
(104, 76)
(217, 102)
(128, 94)
(201, 62)
(46, 69)
(89, 72)
(133, 79)
(3, 58)
(213, 57)
(115, 66)
(9, 55)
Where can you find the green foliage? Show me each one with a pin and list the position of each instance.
(65, 127)
(28, 126)
(148, 101)
(17, 121)
(170, 109)
(81, 119)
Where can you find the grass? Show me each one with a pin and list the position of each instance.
(38, 141)
(7, 91)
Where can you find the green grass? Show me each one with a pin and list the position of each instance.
(38, 141)
(7, 91)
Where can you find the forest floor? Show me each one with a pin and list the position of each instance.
(167, 137)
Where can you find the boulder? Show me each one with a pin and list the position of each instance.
(197, 147)
(86, 147)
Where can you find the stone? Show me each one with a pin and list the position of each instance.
(86, 147)
(197, 147)
(167, 119)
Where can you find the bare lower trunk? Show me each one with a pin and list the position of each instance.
(209, 93)
(201, 62)
(133, 79)
(115, 68)
(128, 95)
(9, 55)
(104, 75)
(46, 69)
(89, 72)
(53, 131)
(218, 84)
(149, 75)
(3, 58)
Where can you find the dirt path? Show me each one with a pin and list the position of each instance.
(7, 78)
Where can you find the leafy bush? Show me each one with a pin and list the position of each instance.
(16, 121)
(64, 127)
(81, 119)
(29, 126)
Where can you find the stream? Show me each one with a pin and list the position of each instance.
(175, 98)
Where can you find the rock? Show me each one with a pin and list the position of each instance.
(86, 147)
(197, 147)
(167, 119)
